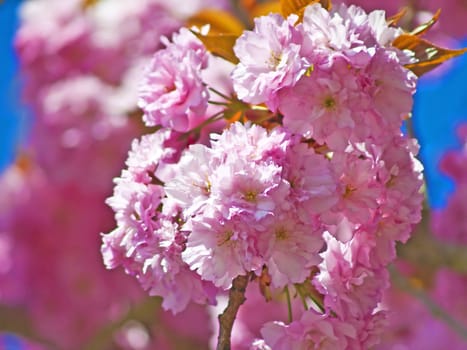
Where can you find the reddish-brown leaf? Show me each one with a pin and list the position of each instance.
(220, 45)
(86, 3)
(426, 26)
(220, 22)
(248, 4)
(289, 7)
(233, 116)
(394, 20)
(428, 55)
(327, 4)
(265, 8)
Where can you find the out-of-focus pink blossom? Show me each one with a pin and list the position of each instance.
(60, 260)
(450, 223)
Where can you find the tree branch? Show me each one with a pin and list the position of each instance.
(227, 318)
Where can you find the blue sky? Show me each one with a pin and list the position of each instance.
(440, 105)
(10, 116)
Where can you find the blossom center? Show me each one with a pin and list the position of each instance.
(170, 88)
(250, 195)
(281, 234)
(329, 102)
(275, 59)
(225, 238)
(349, 189)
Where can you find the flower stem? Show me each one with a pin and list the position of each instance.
(217, 92)
(309, 292)
(227, 318)
(215, 103)
(289, 304)
(304, 303)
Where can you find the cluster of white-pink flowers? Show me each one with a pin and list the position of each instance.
(312, 200)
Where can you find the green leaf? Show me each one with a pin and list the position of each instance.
(428, 55)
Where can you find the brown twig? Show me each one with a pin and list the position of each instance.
(227, 318)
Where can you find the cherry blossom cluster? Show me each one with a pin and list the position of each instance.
(309, 200)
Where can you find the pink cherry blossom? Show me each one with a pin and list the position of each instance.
(392, 87)
(346, 29)
(312, 331)
(269, 59)
(290, 248)
(240, 209)
(352, 288)
(147, 243)
(172, 92)
(402, 174)
(360, 190)
(323, 103)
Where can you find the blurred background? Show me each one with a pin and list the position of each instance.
(68, 76)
